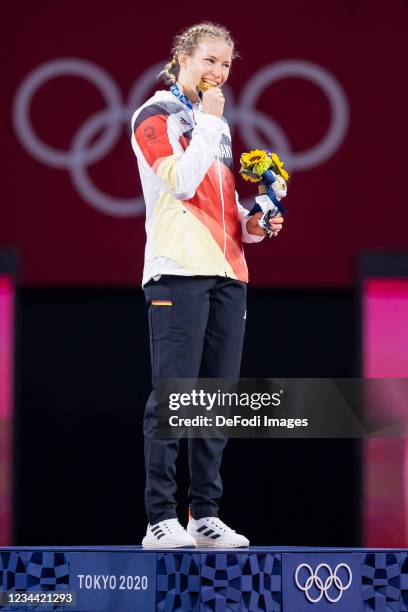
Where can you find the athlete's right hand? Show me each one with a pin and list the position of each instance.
(213, 102)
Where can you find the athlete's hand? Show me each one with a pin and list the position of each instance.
(213, 102)
(253, 228)
(276, 224)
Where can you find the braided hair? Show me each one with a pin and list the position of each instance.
(187, 40)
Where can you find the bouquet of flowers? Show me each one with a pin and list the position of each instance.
(265, 168)
(255, 163)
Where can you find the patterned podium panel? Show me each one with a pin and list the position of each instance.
(255, 579)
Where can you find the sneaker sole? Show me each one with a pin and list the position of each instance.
(153, 545)
(212, 544)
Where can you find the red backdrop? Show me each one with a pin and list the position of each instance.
(336, 66)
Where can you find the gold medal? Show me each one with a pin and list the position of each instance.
(205, 85)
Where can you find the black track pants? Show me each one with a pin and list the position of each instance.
(199, 335)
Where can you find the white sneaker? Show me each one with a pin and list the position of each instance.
(167, 534)
(211, 532)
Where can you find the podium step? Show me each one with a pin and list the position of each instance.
(254, 579)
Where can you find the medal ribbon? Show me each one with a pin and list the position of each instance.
(176, 91)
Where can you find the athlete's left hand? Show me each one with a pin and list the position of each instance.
(253, 227)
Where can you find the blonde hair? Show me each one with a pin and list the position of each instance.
(187, 40)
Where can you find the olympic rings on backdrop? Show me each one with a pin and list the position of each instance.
(253, 125)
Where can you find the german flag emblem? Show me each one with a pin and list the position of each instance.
(162, 303)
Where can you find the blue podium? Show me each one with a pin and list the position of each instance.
(254, 579)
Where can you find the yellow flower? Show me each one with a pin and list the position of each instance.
(279, 166)
(253, 157)
(256, 162)
(247, 175)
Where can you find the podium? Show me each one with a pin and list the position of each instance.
(253, 579)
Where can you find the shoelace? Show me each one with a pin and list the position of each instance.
(173, 526)
(221, 526)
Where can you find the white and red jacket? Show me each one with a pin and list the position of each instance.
(194, 222)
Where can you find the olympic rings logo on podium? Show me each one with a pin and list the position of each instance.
(256, 128)
(323, 585)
